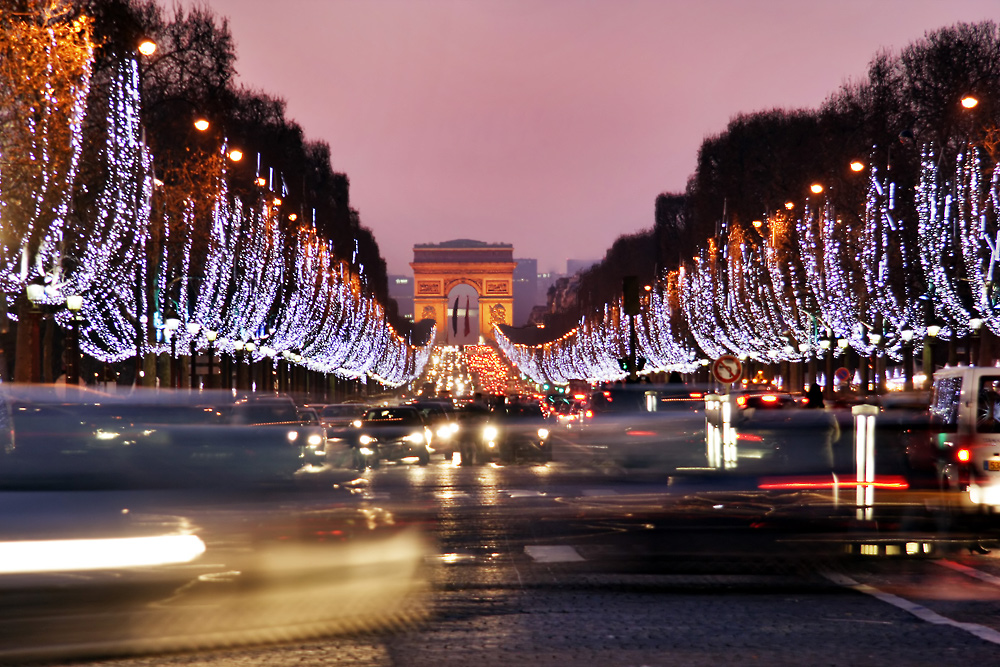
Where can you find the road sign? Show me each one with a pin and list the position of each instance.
(842, 374)
(727, 369)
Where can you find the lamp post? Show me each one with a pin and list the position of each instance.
(907, 336)
(250, 347)
(932, 331)
(825, 344)
(239, 346)
(878, 375)
(210, 336)
(842, 345)
(811, 371)
(193, 328)
(975, 325)
(74, 303)
(171, 324)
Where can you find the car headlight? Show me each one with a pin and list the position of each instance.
(490, 433)
(366, 439)
(543, 433)
(417, 438)
(454, 428)
(315, 440)
(356, 423)
(366, 451)
(444, 432)
(293, 436)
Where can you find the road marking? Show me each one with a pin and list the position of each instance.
(969, 571)
(553, 554)
(600, 492)
(525, 493)
(920, 611)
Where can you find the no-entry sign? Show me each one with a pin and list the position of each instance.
(727, 369)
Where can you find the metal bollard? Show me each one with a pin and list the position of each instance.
(713, 435)
(864, 448)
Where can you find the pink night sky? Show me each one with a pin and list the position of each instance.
(548, 124)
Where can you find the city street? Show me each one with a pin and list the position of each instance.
(575, 563)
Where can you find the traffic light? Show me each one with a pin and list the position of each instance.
(623, 364)
(630, 295)
(640, 363)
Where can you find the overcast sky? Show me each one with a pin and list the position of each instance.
(548, 124)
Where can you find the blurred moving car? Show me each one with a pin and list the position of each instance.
(778, 433)
(647, 426)
(339, 418)
(442, 418)
(393, 434)
(300, 425)
(516, 431)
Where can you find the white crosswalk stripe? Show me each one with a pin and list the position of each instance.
(553, 554)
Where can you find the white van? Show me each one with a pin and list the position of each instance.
(965, 420)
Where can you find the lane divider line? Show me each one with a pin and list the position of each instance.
(553, 554)
(918, 610)
(969, 571)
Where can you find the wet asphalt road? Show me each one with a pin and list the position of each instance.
(583, 562)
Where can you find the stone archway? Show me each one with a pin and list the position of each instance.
(488, 268)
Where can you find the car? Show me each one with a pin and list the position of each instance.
(964, 438)
(776, 432)
(339, 419)
(443, 420)
(393, 433)
(516, 431)
(301, 426)
(646, 426)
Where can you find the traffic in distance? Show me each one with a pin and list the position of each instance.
(221, 519)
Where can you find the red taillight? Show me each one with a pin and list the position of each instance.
(749, 437)
(589, 414)
(769, 398)
(964, 455)
(741, 401)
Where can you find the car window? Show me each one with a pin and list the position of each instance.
(988, 405)
(392, 416)
(944, 403)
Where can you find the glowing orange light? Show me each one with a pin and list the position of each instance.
(857, 166)
(816, 188)
(236, 155)
(963, 455)
(969, 101)
(293, 217)
(789, 205)
(758, 224)
(277, 201)
(261, 181)
(201, 124)
(825, 482)
(147, 47)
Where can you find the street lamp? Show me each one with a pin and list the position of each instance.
(74, 303)
(826, 344)
(250, 347)
(907, 336)
(975, 324)
(239, 346)
(969, 102)
(171, 323)
(210, 336)
(193, 328)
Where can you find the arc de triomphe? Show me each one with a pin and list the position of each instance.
(486, 267)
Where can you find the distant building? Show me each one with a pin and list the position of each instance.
(545, 281)
(577, 265)
(401, 290)
(525, 289)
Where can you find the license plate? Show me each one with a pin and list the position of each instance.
(993, 465)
